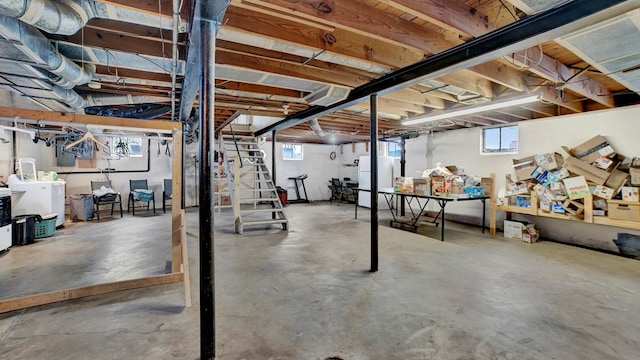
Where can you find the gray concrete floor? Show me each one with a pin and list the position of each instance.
(306, 294)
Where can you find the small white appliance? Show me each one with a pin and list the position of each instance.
(5, 218)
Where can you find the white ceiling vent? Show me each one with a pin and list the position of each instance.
(328, 95)
(612, 47)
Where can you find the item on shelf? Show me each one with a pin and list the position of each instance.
(457, 185)
(523, 167)
(590, 172)
(549, 161)
(530, 234)
(634, 171)
(523, 201)
(624, 210)
(591, 149)
(630, 193)
(573, 207)
(600, 204)
(598, 212)
(604, 163)
(540, 175)
(577, 187)
(557, 208)
(616, 179)
(603, 192)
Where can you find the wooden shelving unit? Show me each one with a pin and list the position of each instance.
(586, 217)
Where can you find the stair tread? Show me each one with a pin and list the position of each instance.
(261, 210)
(259, 199)
(270, 221)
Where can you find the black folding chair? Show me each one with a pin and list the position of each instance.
(139, 185)
(106, 199)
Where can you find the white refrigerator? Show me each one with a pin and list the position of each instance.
(385, 179)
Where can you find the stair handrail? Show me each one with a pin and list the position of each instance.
(233, 134)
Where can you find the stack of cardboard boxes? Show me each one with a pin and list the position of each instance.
(591, 168)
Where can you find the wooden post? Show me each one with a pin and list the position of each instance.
(176, 203)
(492, 206)
(185, 260)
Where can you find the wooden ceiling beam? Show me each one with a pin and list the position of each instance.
(162, 7)
(106, 40)
(340, 41)
(450, 15)
(258, 89)
(224, 57)
(384, 27)
(365, 20)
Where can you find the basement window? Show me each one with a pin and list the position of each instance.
(127, 146)
(394, 149)
(503, 139)
(292, 151)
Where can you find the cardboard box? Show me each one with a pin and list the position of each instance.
(557, 208)
(513, 229)
(549, 161)
(403, 184)
(634, 172)
(540, 174)
(590, 150)
(421, 186)
(577, 187)
(604, 163)
(616, 179)
(603, 192)
(524, 167)
(591, 173)
(600, 204)
(530, 234)
(487, 184)
(225, 200)
(624, 210)
(573, 207)
(440, 186)
(523, 201)
(630, 193)
(597, 212)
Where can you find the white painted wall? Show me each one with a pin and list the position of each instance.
(462, 148)
(78, 183)
(316, 163)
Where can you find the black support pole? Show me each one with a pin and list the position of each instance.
(403, 168)
(207, 134)
(373, 103)
(273, 157)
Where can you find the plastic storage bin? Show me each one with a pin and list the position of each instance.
(46, 226)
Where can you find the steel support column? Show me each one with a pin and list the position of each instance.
(403, 168)
(373, 103)
(211, 14)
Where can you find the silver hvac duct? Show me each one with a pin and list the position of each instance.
(67, 17)
(114, 99)
(43, 54)
(315, 126)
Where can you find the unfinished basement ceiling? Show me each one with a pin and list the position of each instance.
(284, 56)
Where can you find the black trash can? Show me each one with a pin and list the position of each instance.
(23, 229)
(282, 194)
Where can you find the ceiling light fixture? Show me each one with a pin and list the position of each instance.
(472, 110)
(285, 109)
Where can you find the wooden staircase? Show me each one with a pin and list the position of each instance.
(249, 185)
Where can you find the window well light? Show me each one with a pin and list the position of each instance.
(472, 110)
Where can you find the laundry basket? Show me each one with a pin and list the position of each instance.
(46, 227)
